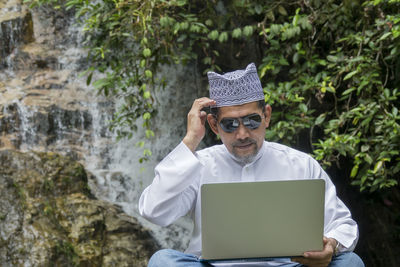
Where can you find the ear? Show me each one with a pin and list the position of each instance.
(267, 114)
(213, 123)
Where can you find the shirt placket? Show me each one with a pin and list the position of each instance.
(248, 173)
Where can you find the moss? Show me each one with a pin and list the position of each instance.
(48, 209)
(79, 171)
(48, 185)
(21, 193)
(64, 253)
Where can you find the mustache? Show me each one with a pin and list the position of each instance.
(246, 141)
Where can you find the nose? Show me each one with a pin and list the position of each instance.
(242, 132)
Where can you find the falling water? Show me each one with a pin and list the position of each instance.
(45, 105)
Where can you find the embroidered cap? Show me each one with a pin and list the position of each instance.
(236, 87)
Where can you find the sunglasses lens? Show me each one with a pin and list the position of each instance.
(251, 121)
(229, 125)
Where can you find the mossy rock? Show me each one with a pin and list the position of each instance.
(48, 217)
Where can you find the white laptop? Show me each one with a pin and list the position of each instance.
(268, 219)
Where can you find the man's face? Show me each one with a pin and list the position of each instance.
(243, 143)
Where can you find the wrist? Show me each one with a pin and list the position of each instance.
(191, 143)
(332, 243)
(336, 248)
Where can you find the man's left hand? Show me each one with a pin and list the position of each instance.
(318, 258)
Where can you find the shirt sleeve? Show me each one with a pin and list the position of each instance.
(338, 221)
(173, 191)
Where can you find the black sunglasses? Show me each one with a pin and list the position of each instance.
(251, 121)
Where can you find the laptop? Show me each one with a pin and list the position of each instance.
(261, 220)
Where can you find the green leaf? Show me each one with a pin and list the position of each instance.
(295, 57)
(146, 52)
(395, 111)
(348, 91)
(350, 74)
(384, 36)
(332, 58)
(100, 83)
(303, 108)
(213, 35)
(275, 29)
(140, 144)
(282, 10)
(148, 73)
(146, 94)
(237, 33)
(164, 21)
(223, 37)
(149, 133)
(378, 166)
(320, 119)
(146, 116)
(147, 152)
(354, 171)
(365, 148)
(184, 25)
(89, 79)
(248, 31)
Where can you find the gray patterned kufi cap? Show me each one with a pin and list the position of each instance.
(236, 87)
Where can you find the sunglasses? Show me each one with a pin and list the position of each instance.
(251, 121)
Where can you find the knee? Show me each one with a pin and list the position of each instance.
(350, 259)
(160, 258)
(356, 260)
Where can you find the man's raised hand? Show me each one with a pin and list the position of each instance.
(196, 119)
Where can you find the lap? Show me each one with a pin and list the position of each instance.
(174, 258)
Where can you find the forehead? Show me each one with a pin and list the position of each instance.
(239, 110)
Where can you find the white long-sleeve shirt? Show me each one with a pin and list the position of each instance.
(174, 191)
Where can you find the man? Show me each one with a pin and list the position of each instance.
(240, 117)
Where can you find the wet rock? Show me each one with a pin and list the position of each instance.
(43, 125)
(48, 217)
(16, 27)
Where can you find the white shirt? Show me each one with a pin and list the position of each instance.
(174, 190)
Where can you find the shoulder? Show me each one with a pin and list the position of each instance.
(279, 148)
(283, 151)
(290, 159)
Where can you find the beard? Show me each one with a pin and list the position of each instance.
(246, 158)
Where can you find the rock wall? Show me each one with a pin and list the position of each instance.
(15, 27)
(45, 105)
(48, 217)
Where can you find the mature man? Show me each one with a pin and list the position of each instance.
(240, 117)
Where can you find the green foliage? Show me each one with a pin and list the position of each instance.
(332, 71)
(330, 68)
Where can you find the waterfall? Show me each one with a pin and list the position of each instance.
(46, 106)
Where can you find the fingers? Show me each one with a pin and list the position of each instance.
(201, 103)
(311, 262)
(196, 114)
(196, 122)
(317, 258)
